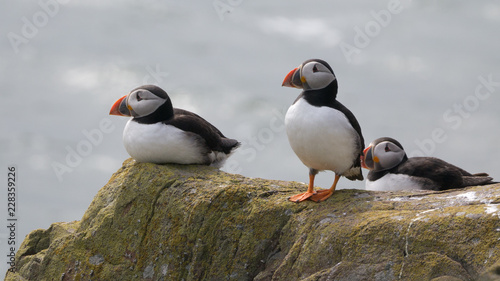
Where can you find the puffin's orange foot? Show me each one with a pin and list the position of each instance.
(321, 195)
(301, 197)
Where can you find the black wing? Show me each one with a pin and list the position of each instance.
(442, 173)
(191, 122)
(358, 175)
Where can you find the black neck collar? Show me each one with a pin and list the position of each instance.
(162, 113)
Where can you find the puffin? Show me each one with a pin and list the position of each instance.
(158, 133)
(391, 170)
(322, 132)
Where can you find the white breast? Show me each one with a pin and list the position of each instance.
(322, 137)
(392, 182)
(160, 143)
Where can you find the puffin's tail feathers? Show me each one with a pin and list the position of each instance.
(218, 158)
(228, 145)
(481, 175)
(354, 173)
(477, 179)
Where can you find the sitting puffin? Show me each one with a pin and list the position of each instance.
(322, 132)
(391, 170)
(159, 133)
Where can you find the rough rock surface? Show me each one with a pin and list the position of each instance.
(175, 222)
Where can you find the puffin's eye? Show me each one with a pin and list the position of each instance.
(139, 97)
(387, 148)
(315, 69)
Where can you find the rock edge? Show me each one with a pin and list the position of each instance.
(178, 222)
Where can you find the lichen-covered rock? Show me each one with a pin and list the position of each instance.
(176, 222)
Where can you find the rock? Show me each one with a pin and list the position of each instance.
(176, 222)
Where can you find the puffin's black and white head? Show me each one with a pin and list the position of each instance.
(383, 154)
(313, 74)
(147, 104)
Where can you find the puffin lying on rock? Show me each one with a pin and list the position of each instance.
(391, 170)
(322, 132)
(159, 133)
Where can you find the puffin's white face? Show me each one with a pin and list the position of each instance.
(383, 156)
(142, 102)
(138, 103)
(315, 75)
(311, 75)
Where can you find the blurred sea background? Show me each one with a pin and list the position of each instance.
(424, 72)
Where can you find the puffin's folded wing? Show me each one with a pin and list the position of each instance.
(193, 123)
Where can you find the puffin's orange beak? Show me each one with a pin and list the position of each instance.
(292, 79)
(367, 159)
(120, 107)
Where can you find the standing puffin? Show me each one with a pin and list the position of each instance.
(159, 133)
(391, 170)
(322, 132)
